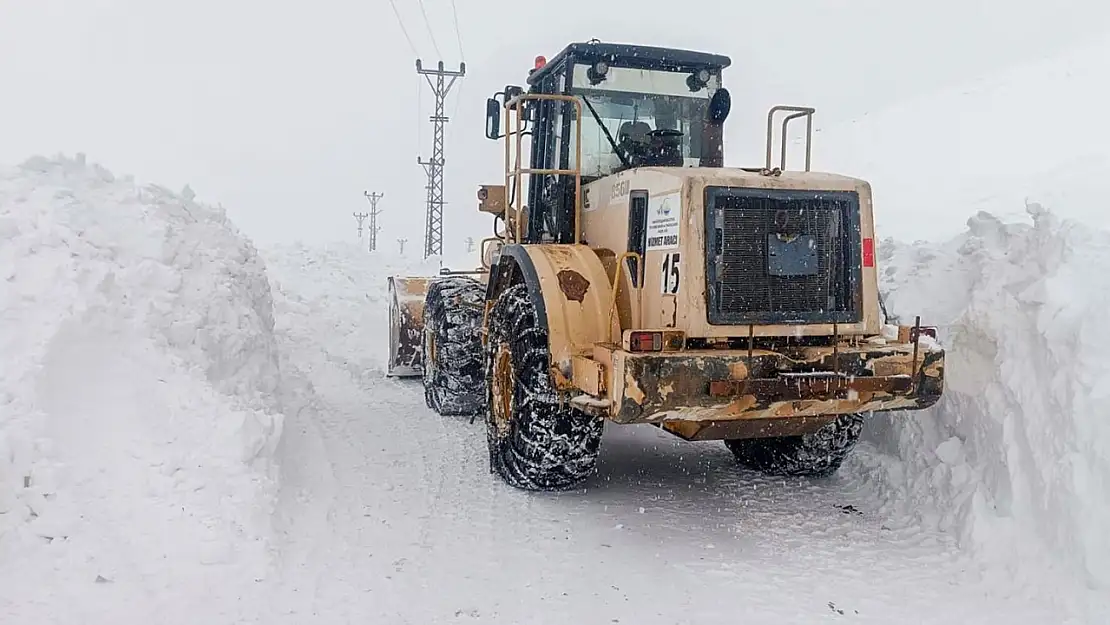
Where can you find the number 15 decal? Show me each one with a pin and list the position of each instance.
(671, 273)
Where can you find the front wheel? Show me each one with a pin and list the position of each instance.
(536, 442)
(817, 454)
(453, 346)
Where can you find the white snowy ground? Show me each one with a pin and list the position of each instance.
(192, 434)
(391, 514)
(182, 441)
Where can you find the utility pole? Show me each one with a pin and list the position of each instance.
(373, 197)
(469, 244)
(402, 243)
(361, 217)
(433, 231)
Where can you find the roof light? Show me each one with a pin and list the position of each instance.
(541, 60)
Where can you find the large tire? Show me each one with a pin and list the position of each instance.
(817, 454)
(536, 442)
(453, 383)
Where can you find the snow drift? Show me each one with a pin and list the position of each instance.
(1015, 459)
(138, 414)
(145, 376)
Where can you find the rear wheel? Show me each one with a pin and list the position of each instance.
(815, 455)
(536, 442)
(453, 346)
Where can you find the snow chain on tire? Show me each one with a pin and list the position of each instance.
(814, 455)
(453, 346)
(536, 442)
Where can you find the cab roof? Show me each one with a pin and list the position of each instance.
(630, 55)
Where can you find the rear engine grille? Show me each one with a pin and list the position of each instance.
(782, 256)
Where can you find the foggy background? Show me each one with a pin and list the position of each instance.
(285, 112)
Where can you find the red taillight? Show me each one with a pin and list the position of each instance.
(646, 342)
(869, 252)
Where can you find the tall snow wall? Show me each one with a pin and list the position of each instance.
(138, 406)
(1015, 459)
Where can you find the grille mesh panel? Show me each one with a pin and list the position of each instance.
(777, 258)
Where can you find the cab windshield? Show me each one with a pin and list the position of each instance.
(631, 103)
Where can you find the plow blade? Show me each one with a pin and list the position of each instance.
(406, 326)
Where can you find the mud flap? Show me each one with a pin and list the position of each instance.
(406, 326)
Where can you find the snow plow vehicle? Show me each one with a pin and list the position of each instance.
(634, 278)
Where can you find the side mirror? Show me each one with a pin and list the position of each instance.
(719, 105)
(493, 118)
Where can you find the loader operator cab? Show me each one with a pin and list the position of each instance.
(640, 106)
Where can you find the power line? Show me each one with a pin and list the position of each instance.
(430, 33)
(462, 55)
(401, 23)
(458, 100)
(458, 35)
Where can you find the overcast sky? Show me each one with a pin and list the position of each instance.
(285, 112)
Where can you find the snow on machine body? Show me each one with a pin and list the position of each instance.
(635, 278)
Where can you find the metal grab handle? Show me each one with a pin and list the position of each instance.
(798, 111)
(514, 169)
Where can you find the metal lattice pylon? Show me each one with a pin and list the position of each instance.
(433, 230)
(374, 212)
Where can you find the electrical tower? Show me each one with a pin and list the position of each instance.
(433, 231)
(402, 243)
(469, 244)
(361, 217)
(373, 197)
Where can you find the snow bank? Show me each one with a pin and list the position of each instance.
(1015, 459)
(138, 414)
(1032, 131)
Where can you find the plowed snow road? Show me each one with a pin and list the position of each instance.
(390, 515)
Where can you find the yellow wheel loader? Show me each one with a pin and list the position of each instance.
(634, 278)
